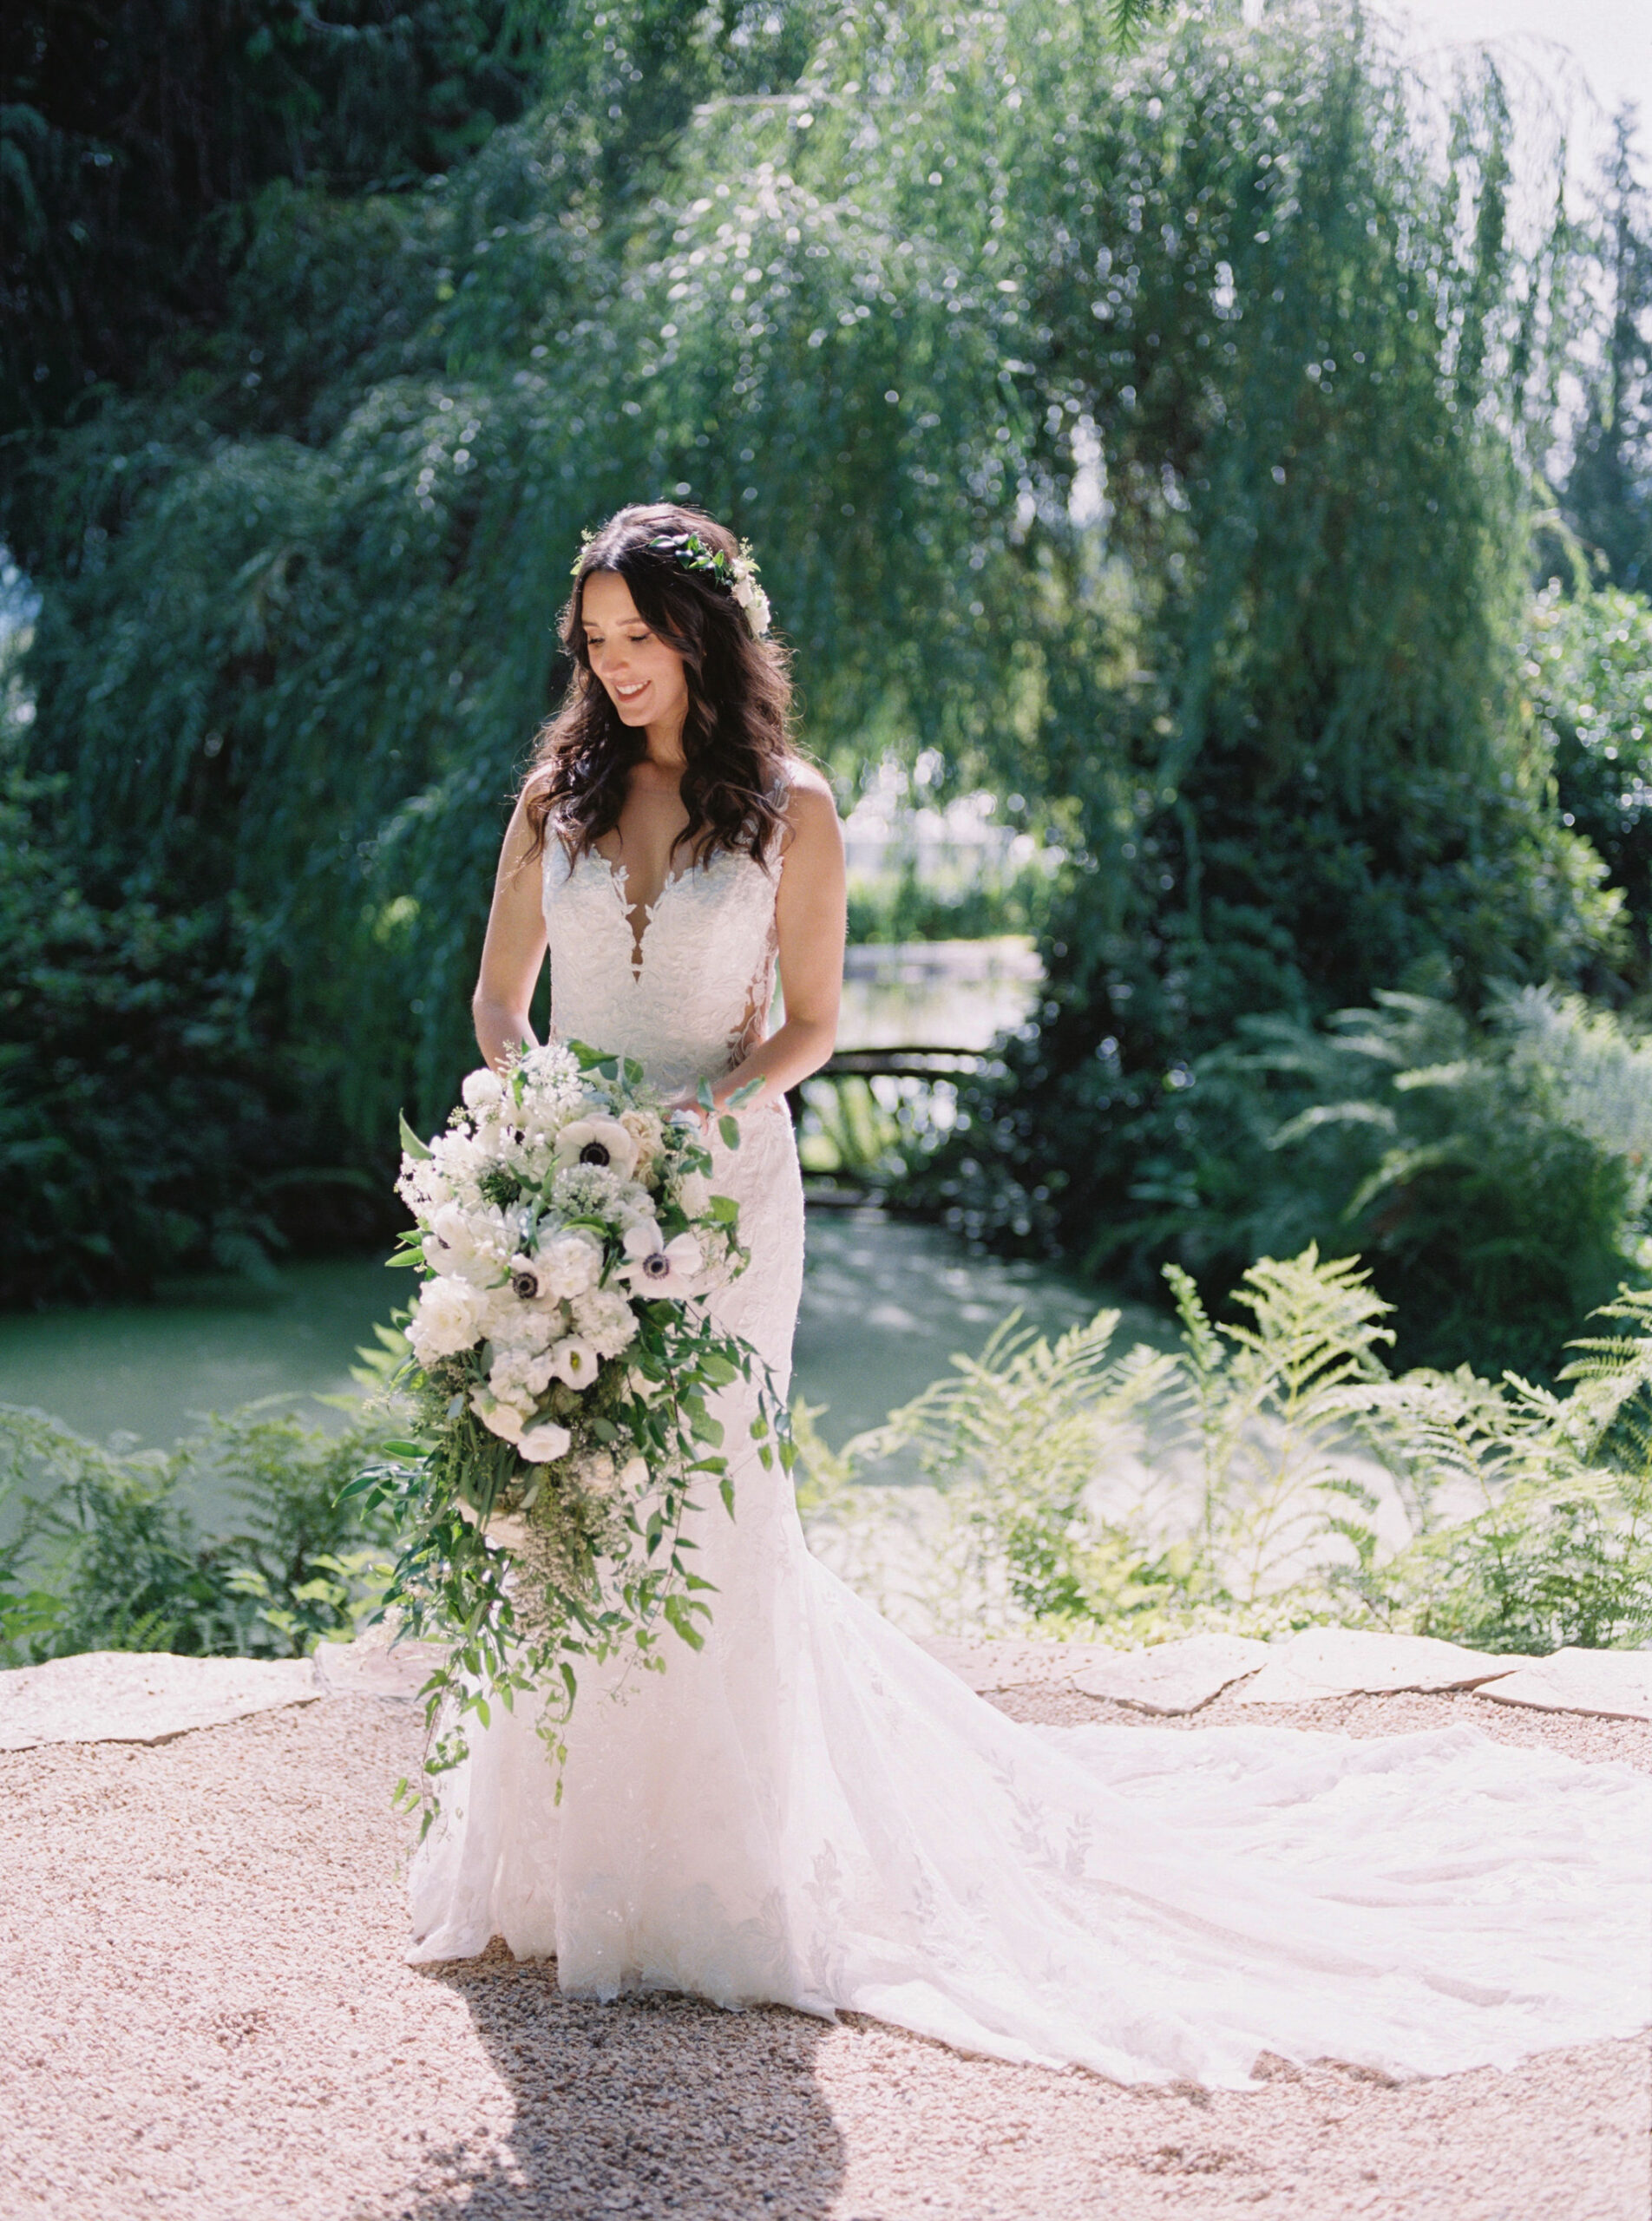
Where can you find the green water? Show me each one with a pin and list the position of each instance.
(884, 1306)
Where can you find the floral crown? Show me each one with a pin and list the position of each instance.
(736, 574)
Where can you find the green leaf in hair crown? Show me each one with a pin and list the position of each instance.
(736, 574)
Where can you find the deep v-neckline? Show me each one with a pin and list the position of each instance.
(619, 878)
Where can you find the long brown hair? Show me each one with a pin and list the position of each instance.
(737, 735)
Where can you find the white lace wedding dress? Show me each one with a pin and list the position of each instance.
(813, 1813)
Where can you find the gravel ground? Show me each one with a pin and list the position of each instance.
(204, 2016)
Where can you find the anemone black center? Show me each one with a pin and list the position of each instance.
(595, 1153)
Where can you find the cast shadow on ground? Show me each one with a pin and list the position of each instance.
(657, 2105)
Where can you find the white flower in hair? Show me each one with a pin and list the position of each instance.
(739, 574)
(742, 585)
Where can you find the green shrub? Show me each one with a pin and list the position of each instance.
(1494, 1171)
(108, 1557)
(1233, 1484)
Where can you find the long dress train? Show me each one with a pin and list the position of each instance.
(812, 1812)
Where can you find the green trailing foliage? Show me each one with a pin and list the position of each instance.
(106, 1553)
(1253, 1480)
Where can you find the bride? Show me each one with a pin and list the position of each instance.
(811, 1812)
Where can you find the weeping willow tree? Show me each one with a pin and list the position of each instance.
(1140, 431)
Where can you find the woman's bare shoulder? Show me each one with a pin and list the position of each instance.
(808, 795)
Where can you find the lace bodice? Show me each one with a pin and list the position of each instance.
(694, 997)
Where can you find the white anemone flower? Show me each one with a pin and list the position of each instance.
(660, 1268)
(597, 1140)
(573, 1360)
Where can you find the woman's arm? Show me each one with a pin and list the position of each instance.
(513, 951)
(809, 917)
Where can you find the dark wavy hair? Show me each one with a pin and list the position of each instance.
(736, 736)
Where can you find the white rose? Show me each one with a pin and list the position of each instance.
(634, 1476)
(545, 1442)
(446, 1319)
(574, 1361)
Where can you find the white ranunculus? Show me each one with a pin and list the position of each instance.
(573, 1360)
(567, 1264)
(670, 1269)
(544, 1442)
(482, 1091)
(447, 1318)
(634, 1475)
(597, 1140)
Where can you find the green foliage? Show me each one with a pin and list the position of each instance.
(136, 130)
(150, 1122)
(1146, 435)
(108, 1556)
(1608, 492)
(1587, 668)
(904, 907)
(1494, 1172)
(1235, 1482)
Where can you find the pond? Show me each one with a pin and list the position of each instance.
(885, 1305)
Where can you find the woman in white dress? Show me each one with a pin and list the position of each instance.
(811, 1812)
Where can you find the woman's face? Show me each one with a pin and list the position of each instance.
(644, 679)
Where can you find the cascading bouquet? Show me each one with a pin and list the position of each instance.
(562, 1360)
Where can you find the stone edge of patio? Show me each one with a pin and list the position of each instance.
(1178, 1678)
(151, 1696)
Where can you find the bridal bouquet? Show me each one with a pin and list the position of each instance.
(561, 1361)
